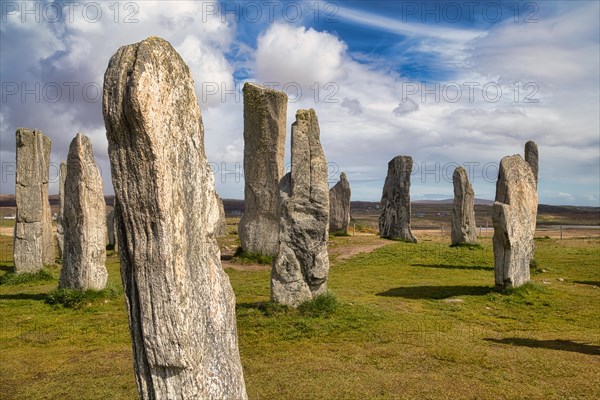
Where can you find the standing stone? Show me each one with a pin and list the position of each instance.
(301, 266)
(84, 221)
(532, 158)
(221, 229)
(265, 113)
(111, 226)
(339, 205)
(181, 306)
(33, 239)
(62, 176)
(514, 216)
(464, 228)
(394, 221)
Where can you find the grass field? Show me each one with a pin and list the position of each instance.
(410, 322)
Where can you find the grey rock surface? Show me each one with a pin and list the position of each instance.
(221, 229)
(111, 227)
(514, 215)
(339, 205)
(33, 237)
(532, 157)
(84, 221)
(265, 113)
(180, 303)
(301, 267)
(62, 176)
(464, 228)
(394, 221)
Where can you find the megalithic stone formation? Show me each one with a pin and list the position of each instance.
(394, 221)
(111, 226)
(265, 113)
(221, 229)
(33, 237)
(60, 237)
(84, 221)
(514, 215)
(180, 303)
(339, 205)
(464, 228)
(532, 157)
(301, 267)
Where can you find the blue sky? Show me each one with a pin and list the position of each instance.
(449, 83)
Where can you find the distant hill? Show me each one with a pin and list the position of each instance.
(436, 209)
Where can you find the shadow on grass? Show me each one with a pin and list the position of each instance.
(448, 266)
(23, 296)
(436, 292)
(591, 283)
(557, 344)
(7, 268)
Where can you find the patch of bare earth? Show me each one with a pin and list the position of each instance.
(347, 247)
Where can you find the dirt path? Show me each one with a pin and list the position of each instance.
(346, 252)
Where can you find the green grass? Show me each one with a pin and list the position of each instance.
(339, 233)
(11, 278)
(71, 298)
(404, 321)
(242, 257)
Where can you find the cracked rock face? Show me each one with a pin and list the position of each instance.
(532, 157)
(265, 113)
(514, 215)
(111, 227)
(180, 303)
(394, 221)
(221, 229)
(84, 221)
(339, 205)
(464, 228)
(301, 267)
(33, 236)
(62, 176)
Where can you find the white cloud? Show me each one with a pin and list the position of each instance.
(288, 54)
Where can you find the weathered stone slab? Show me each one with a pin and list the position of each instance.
(532, 158)
(394, 221)
(301, 267)
(84, 221)
(265, 113)
(221, 229)
(33, 239)
(339, 205)
(464, 227)
(111, 226)
(180, 303)
(62, 176)
(514, 216)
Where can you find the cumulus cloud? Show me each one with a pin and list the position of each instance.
(290, 54)
(352, 105)
(406, 107)
(54, 70)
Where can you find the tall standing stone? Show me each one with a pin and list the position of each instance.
(181, 306)
(464, 228)
(221, 229)
(301, 267)
(60, 231)
(514, 216)
(84, 221)
(339, 205)
(111, 226)
(265, 113)
(394, 221)
(33, 239)
(532, 157)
